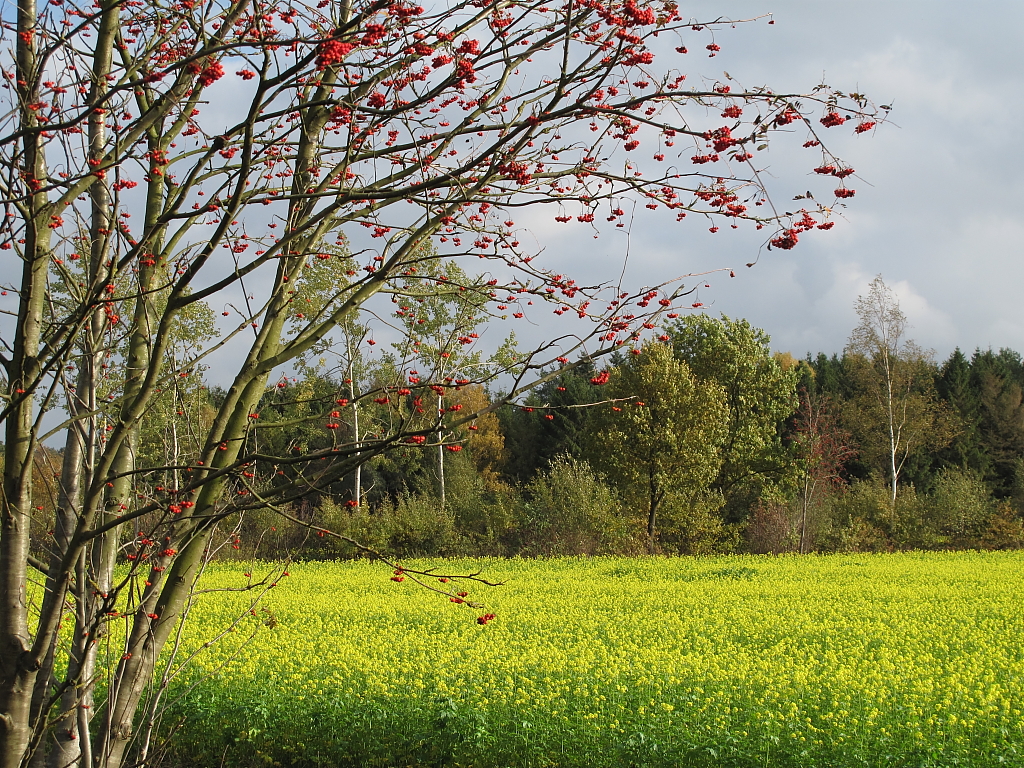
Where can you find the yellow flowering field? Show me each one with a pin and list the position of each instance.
(910, 660)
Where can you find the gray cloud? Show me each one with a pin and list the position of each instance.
(937, 206)
(936, 211)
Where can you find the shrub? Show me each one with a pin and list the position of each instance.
(1003, 530)
(771, 530)
(410, 526)
(485, 508)
(487, 523)
(960, 507)
(570, 511)
(691, 524)
(865, 517)
(858, 519)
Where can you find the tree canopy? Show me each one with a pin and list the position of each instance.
(661, 433)
(759, 395)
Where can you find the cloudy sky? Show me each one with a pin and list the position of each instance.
(937, 211)
(938, 188)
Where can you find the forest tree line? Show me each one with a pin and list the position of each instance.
(701, 440)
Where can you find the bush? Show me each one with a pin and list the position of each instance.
(485, 510)
(858, 519)
(865, 519)
(570, 511)
(267, 535)
(411, 526)
(257, 533)
(1004, 529)
(691, 524)
(487, 523)
(961, 507)
(771, 530)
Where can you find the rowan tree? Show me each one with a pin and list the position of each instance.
(196, 152)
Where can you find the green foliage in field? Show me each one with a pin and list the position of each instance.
(909, 660)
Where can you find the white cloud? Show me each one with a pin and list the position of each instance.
(937, 211)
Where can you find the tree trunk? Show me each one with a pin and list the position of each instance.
(440, 458)
(20, 659)
(71, 729)
(655, 498)
(357, 478)
(805, 502)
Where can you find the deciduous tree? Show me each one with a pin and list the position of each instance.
(895, 411)
(440, 318)
(822, 448)
(219, 152)
(661, 433)
(760, 396)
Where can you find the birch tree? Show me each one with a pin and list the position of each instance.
(895, 411)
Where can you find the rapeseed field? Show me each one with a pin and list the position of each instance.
(910, 659)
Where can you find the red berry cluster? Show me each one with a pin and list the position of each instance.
(831, 170)
(211, 73)
(722, 138)
(487, 617)
(832, 119)
(787, 116)
(332, 52)
(786, 241)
